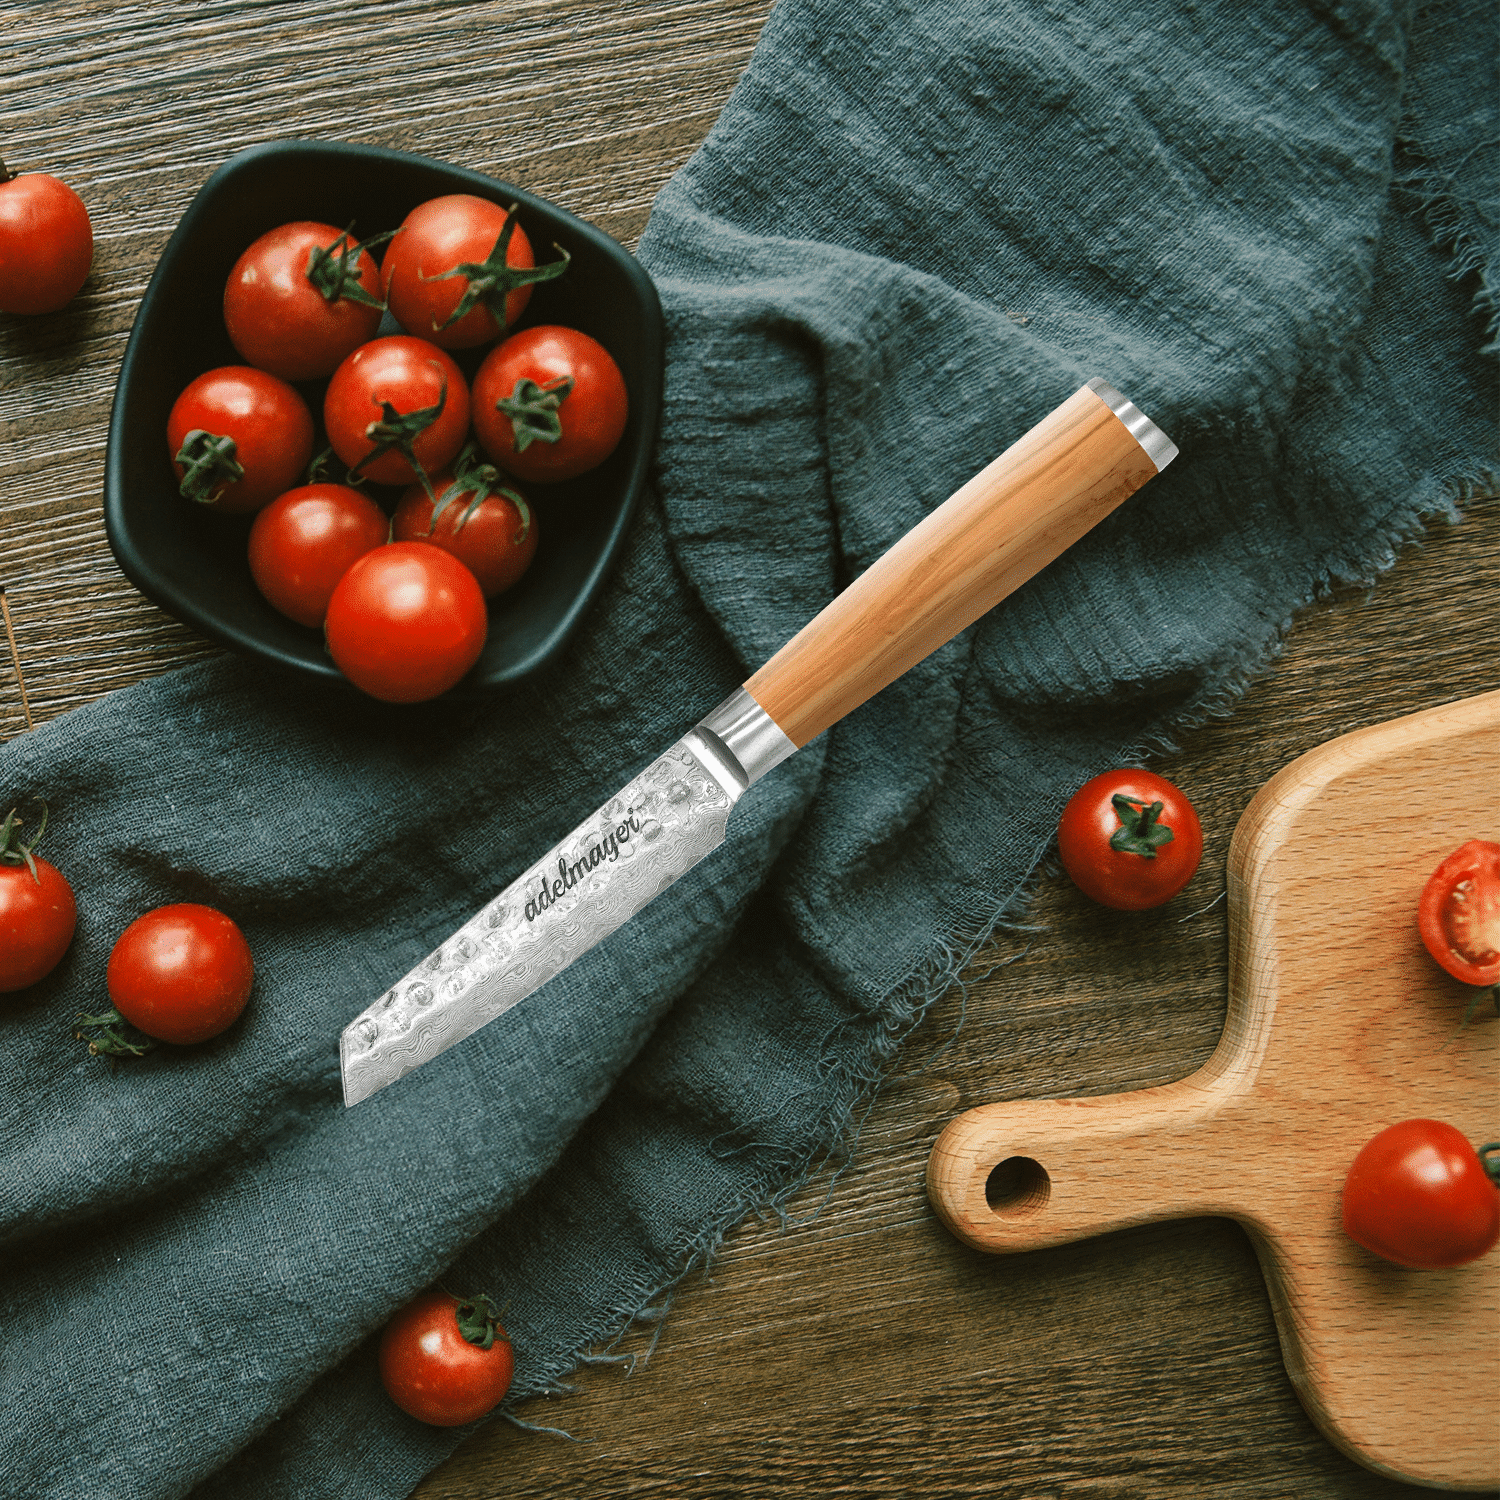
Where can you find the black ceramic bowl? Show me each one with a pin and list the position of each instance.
(192, 561)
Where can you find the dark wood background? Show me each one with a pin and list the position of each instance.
(861, 1351)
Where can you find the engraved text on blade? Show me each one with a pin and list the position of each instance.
(605, 871)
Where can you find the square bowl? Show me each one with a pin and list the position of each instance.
(191, 560)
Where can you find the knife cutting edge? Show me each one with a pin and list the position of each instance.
(1001, 528)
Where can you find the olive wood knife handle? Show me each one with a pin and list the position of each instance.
(1005, 525)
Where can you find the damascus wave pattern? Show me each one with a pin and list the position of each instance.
(645, 837)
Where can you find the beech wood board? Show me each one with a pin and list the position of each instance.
(1339, 1024)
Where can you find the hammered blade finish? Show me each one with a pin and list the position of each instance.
(644, 838)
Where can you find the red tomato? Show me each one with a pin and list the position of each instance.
(1418, 1194)
(180, 973)
(398, 407)
(437, 1374)
(406, 622)
(300, 299)
(304, 541)
(37, 910)
(46, 243)
(459, 271)
(484, 522)
(1459, 913)
(238, 438)
(549, 403)
(1130, 840)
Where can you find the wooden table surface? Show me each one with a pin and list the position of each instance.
(860, 1351)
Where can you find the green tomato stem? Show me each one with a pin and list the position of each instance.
(1139, 831)
(209, 466)
(492, 280)
(479, 1321)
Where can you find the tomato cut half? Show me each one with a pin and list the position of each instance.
(1459, 913)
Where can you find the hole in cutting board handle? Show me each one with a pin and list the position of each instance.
(1017, 1188)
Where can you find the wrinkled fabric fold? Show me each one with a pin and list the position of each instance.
(915, 229)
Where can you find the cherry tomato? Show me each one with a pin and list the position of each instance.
(37, 909)
(304, 541)
(181, 973)
(1130, 840)
(46, 243)
(301, 299)
(396, 408)
(549, 403)
(445, 1360)
(1458, 914)
(238, 438)
(1419, 1194)
(406, 622)
(459, 271)
(481, 519)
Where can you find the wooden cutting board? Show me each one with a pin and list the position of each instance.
(1339, 1024)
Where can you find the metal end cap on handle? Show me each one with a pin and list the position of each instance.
(1159, 448)
(753, 740)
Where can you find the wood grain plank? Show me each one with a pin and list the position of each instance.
(863, 1351)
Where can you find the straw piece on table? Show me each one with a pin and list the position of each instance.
(15, 656)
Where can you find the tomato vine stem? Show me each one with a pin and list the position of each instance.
(492, 280)
(479, 1320)
(209, 465)
(1139, 831)
(533, 410)
(483, 481)
(111, 1036)
(333, 270)
(400, 430)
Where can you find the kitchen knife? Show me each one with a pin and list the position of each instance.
(1002, 527)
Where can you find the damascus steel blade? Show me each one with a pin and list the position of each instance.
(645, 837)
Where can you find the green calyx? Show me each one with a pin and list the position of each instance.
(480, 481)
(479, 1321)
(1489, 1156)
(209, 466)
(6, 175)
(1139, 832)
(533, 410)
(112, 1036)
(400, 430)
(492, 280)
(12, 850)
(333, 270)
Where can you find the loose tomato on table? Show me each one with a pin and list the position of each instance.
(304, 541)
(397, 409)
(446, 1360)
(46, 242)
(480, 518)
(406, 622)
(37, 909)
(549, 403)
(460, 269)
(238, 437)
(1130, 839)
(1458, 914)
(181, 973)
(1420, 1195)
(303, 297)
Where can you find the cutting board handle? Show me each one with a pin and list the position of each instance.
(1041, 1172)
(1005, 525)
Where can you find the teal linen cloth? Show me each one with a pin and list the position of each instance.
(918, 226)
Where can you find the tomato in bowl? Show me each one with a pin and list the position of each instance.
(192, 562)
